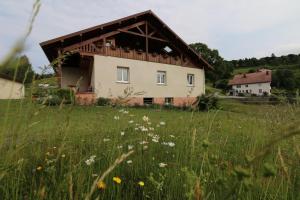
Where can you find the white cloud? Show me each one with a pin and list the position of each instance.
(238, 28)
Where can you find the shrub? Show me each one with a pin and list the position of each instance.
(54, 96)
(103, 101)
(66, 94)
(51, 100)
(206, 102)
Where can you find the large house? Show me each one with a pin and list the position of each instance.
(257, 83)
(138, 53)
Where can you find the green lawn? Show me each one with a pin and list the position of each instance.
(221, 154)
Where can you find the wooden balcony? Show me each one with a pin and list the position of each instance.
(129, 54)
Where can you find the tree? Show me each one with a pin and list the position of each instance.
(284, 78)
(222, 69)
(19, 68)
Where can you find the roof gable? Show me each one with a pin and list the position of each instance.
(51, 47)
(261, 76)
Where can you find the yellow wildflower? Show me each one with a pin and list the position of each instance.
(101, 185)
(117, 180)
(39, 168)
(141, 183)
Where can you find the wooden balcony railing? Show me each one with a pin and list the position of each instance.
(130, 54)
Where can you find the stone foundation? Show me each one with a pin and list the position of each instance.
(90, 99)
(85, 98)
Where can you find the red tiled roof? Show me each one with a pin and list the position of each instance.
(261, 76)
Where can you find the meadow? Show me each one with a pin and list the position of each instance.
(88, 152)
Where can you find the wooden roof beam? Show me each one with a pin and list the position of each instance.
(143, 35)
(71, 47)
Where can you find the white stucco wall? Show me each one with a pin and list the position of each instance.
(253, 88)
(142, 78)
(11, 90)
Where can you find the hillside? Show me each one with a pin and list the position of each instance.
(295, 68)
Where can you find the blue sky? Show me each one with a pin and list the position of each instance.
(237, 28)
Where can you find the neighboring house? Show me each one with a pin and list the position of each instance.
(139, 52)
(10, 89)
(257, 83)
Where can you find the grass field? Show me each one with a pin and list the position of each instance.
(238, 152)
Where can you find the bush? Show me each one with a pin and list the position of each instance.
(206, 102)
(103, 101)
(51, 100)
(65, 94)
(54, 96)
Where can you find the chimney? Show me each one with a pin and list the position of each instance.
(267, 72)
(244, 75)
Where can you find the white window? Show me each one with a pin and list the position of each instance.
(191, 79)
(260, 90)
(238, 86)
(161, 77)
(123, 74)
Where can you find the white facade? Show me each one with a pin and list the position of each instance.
(143, 77)
(11, 90)
(253, 88)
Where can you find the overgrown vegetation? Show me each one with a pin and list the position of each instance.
(239, 152)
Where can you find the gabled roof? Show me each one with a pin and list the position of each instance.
(51, 47)
(6, 77)
(261, 76)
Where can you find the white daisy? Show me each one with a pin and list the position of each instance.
(162, 123)
(162, 165)
(129, 161)
(145, 119)
(116, 117)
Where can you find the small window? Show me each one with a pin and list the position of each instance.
(190, 79)
(260, 90)
(168, 49)
(246, 91)
(148, 101)
(169, 100)
(161, 77)
(246, 85)
(123, 74)
(238, 86)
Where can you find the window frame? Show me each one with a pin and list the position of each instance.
(122, 74)
(193, 80)
(169, 100)
(159, 73)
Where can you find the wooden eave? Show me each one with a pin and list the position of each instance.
(51, 47)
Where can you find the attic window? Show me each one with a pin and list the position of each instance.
(168, 49)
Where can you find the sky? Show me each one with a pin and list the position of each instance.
(237, 28)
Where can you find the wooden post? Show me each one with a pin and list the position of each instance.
(147, 42)
(104, 41)
(59, 70)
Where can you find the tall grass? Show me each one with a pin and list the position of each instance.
(224, 155)
(65, 152)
